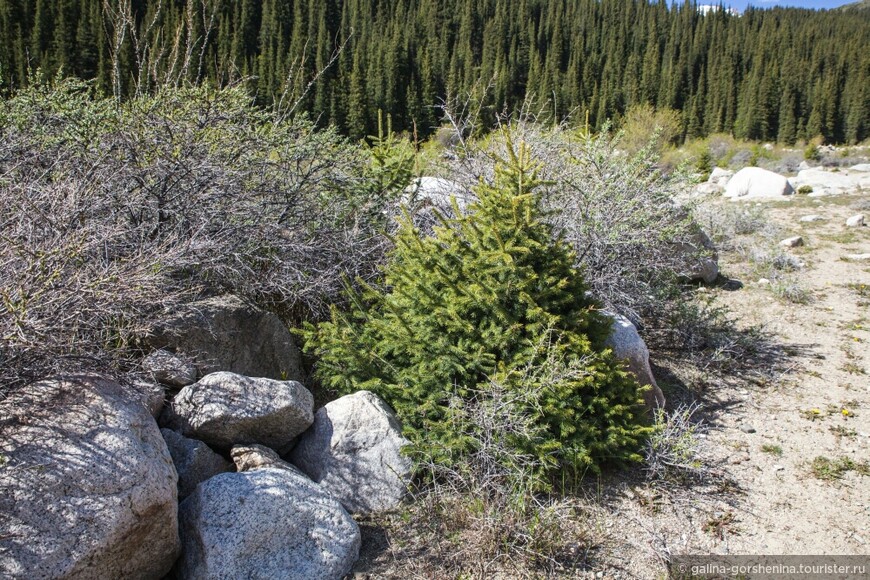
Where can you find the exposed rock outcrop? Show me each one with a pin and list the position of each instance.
(87, 486)
(354, 450)
(825, 182)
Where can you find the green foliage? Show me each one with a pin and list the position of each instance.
(768, 74)
(641, 121)
(486, 299)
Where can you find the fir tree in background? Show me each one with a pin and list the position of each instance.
(489, 296)
(768, 74)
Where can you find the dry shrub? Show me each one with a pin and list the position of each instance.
(113, 213)
(617, 210)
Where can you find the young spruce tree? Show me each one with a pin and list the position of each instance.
(487, 297)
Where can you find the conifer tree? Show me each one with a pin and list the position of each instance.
(484, 299)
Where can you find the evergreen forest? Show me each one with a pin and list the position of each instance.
(773, 74)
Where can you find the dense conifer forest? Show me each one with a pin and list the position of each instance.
(778, 74)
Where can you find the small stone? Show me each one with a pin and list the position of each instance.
(739, 458)
(856, 221)
(812, 218)
(858, 257)
(792, 242)
(778, 468)
(763, 281)
(747, 429)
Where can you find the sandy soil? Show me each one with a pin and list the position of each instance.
(762, 495)
(764, 437)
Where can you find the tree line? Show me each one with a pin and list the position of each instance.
(774, 74)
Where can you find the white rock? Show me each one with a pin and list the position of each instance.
(627, 344)
(438, 192)
(856, 221)
(265, 523)
(763, 281)
(792, 242)
(754, 182)
(858, 257)
(87, 486)
(861, 167)
(354, 450)
(709, 189)
(720, 176)
(812, 218)
(226, 409)
(804, 165)
(194, 461)
(826, 182)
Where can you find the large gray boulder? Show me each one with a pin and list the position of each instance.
(169, 369)
(270, 522)
(194, 461)
(754, 182)
(226, 334)
(627, 345)
(224, 409)
(354, 450)
(87, 486)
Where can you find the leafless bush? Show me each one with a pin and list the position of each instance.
(112, 213)
(673, 450)
(617, 210)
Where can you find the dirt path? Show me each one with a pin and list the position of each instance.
(765, 438)
(821, 409)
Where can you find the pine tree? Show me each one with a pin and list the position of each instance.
(488, 296)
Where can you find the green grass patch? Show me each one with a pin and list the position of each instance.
(832, 469)
(772, 449)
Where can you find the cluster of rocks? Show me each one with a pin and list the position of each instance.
(243, 479)
(758, 183)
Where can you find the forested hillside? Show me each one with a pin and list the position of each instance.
(780, 74)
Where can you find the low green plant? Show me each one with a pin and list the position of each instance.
(805, 189)
(772, 449)
(832, 469)
(488, 296)
(812, 152)
(791, 290)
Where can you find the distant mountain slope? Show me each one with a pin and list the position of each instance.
(860, 5)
